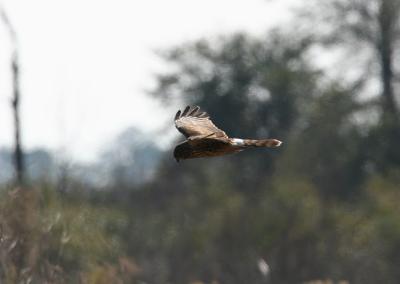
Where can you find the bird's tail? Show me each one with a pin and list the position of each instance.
(261, 143)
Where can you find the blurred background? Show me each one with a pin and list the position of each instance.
(90, 192)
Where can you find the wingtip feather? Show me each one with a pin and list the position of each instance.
(178, 115)
(186, 111)
(203, 115)
(194, 111)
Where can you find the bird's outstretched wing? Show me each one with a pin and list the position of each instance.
(195, 123)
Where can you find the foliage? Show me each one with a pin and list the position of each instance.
(47, 240)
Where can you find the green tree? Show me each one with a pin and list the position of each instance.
(204, 214)
(252, 88)
(370, 28)
(329, 148)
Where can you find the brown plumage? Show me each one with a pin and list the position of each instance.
(204, 139)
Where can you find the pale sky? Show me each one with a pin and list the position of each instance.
(86, 64)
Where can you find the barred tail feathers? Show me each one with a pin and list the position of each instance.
(257, 143)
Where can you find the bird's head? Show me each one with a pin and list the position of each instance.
(182, 151)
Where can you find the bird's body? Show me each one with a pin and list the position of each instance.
(204, 139)
(206, 147)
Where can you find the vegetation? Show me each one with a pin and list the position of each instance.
(323, 206)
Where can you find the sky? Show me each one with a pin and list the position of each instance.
(87, 65)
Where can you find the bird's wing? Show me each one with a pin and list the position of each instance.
(194, 123)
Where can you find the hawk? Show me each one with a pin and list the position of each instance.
(204, 139)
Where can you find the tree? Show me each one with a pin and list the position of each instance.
(251, 88)
(202, 215)
(328, 149)
(371, 28)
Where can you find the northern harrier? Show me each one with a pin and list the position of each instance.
(204, 139)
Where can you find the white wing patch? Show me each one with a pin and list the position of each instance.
(238, 142)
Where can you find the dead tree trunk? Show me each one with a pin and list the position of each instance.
(387, 21)
(18, 153)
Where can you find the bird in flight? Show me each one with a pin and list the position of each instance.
(204, 139)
